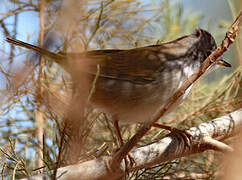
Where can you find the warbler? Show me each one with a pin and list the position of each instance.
(132, 84)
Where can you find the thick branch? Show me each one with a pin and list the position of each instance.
(171, 147)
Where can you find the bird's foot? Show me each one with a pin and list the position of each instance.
(129, 162)
(185, 135)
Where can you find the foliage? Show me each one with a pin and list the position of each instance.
(94, 24)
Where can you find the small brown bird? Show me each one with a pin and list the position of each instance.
(133, 83)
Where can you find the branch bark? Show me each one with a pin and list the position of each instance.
(204, 137)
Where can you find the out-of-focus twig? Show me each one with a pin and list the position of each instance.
(39, 113)
(97, 26)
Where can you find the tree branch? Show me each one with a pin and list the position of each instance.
(204, 137)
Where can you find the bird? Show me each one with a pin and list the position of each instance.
(131, 84)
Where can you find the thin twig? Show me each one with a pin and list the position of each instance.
(14, 170)
(3, 168)
(96, 27)
(39, 113)
(63, 133)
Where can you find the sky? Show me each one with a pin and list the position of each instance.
(216, 10)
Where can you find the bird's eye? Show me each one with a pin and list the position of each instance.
(198, 32)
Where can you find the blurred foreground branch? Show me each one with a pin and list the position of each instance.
(171, 147)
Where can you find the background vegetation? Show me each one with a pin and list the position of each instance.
(31, 131)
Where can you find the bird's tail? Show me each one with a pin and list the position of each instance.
(37, 49)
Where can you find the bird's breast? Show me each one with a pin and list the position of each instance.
(131, 102)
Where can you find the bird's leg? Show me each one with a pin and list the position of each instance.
(115, 124)
(131, 159)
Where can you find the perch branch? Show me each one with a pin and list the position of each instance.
(169, 148)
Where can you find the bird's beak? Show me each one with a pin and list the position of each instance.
(221, 62)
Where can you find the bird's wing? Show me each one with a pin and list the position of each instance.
(139, 66)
